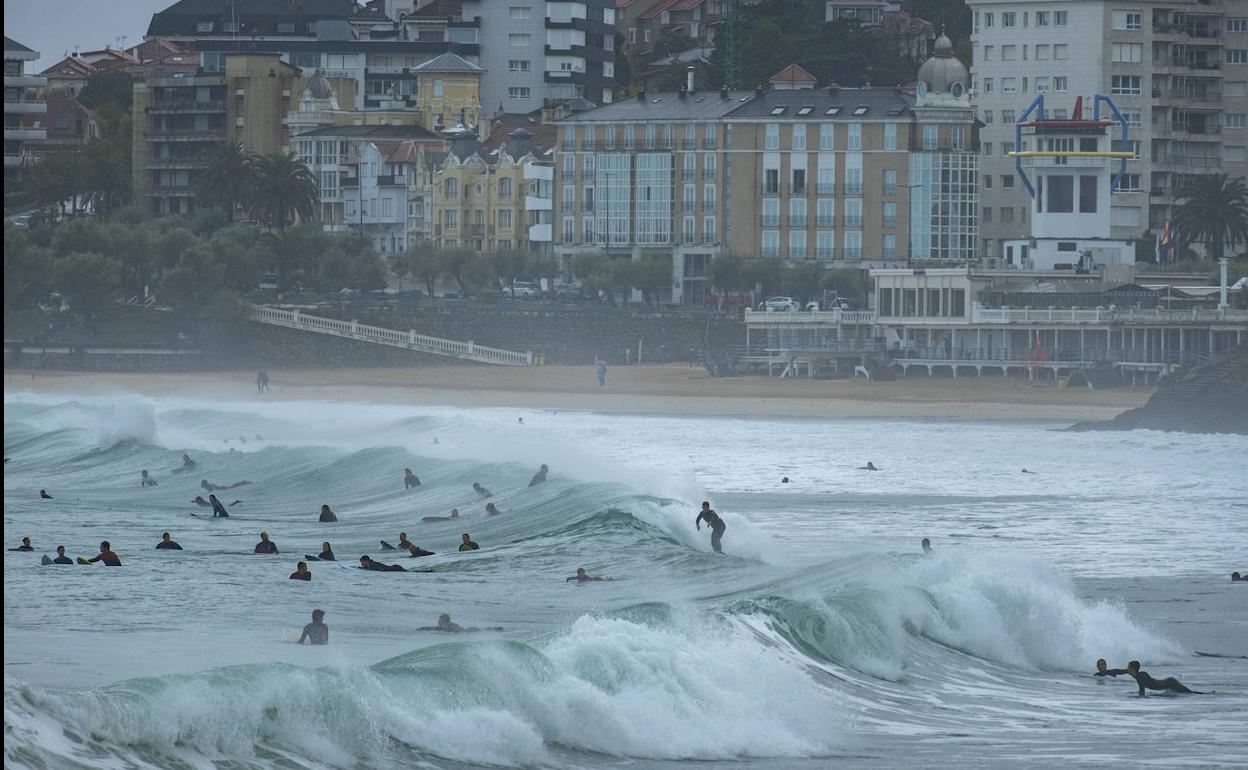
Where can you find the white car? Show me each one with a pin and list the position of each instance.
(522, 290)
(781, 303)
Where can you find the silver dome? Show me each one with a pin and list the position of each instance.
(943, 71)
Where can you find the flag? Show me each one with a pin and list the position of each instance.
(1038, 353)
(1166, 249)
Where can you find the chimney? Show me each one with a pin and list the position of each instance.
(641, 94)
(689, 78)
(723, 93)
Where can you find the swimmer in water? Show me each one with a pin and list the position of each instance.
(490, 510)
(167, 544)
(716, 524)
(409, 479)
(107, 556)
(870, 466)
(316, 632)
(1169, 684)
(187, 464)
(415, 551)
(582, 576)
(1103, 669)
(454, 515)
(218, 510)
(540, 476)
(327, 553)
(480, 490)
(445, 624)
(403, 545)
(25, 546)
(43, 495)
(146, 480)
(1235, 578)
(927, 546)
(784, 480)
(467, 544)
(301, 572)
(376, 566)
(327, 515)
(61, 558)
(1027, 471)
(265, 545)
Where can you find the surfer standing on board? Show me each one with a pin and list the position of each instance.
(716, 524)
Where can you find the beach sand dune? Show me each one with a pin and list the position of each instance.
(669, 389)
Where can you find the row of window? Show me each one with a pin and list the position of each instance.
(825, 244)
(1041, 51)
(1011, 19)
(1006, 215)
(1042, 85)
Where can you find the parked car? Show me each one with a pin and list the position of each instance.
(780, 303)
(522, 290)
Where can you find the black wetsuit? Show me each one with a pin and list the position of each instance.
(538, 478)
(469, 546)
(168, 545)
(376, 566)
(328, 515)
(1169, 684)
(22, 548)
(218, 510)
(717, 526)
(324, 556)
(266, 546)
(1111, 672)
(410, 480)
(62, 560)
(316, 633)
(419, 552)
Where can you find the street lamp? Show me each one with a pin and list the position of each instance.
(910, 221)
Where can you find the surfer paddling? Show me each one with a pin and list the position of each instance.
(1146, 682)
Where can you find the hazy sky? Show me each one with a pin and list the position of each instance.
(53, 27)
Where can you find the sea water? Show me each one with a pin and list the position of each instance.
(820, 637)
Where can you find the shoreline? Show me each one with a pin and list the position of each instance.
(671, 390)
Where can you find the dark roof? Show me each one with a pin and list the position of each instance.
(374, 132)
(541, 134)
(448, 62)
(880, 103)
(174, 19)
(667, 105)
(12, 45)
(467, 146)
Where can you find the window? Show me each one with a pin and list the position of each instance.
(1236, 88)
(1125, 84)
(1007, 181)
(1237, 25)
(1059, 18)
(855, 136)
(771, 243)
(708, 229)
(651, 134)
(1007, 116)
(628, 136)
(890, 213)
(229, 26)
(853, 244)
(1234, 120)
(1009, 53)
(203, 26)
(825, 211)
(1008, 19)
(1124, 216)
(825, 136)
(987, 85)
(1087, 194)
(890, 136)
(1042, 18)
(890, 181)
(1059, 51)
(988, 120)
(632, 35)
(518, 39)
(1042, 51)
(519, 12)
(1237, 56)
(285, 28)
(990, 53)
(976, 25)
(1009, 85)
(987, 181)
(1128, 20)
(1133, 117)
(930, 137)
(853, 212)
(1128, 183)
(988, 20)
(1007, 214)
(987, 215)
(687, 229)
(452, 219)
(1128, 53)
(1042, 85)
(799, 136)
(797, 244)
(987, 149)
(889, 246)
(568, 228)
(824, 244)
(646, 35)
(1133, 145)
(504, 187)
(518, 65)
(1061, 84)
(772, 141)
(518, 92)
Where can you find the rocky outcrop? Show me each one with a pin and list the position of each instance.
(1212, 398)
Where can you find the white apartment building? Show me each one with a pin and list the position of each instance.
(1178, 70)
(19, 107)
(538, 51)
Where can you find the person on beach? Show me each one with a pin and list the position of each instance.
(327, 515)
(582, 576)
(262, 381)
(927, 546)
(43, 495)
(265, 545)
(145, 480)
(167, 544)
(327, 553)
(25, 546)
(480, 490)
(409, 479)
(316, 632)
(490, 510)
(602, 373)
(716, 524)
(415, 551)
(61, 558)
(301, 572)
(106, 555)
(454, 515)
(218, 510)
(467, 544)
(1169, 684)
(403, 545)
(870, 466)
(376, 566)
(210, 487)
(187, 464)
(540, 476)
(1103, 669)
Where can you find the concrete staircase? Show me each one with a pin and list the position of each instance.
(421, 343)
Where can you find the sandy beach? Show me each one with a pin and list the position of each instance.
(670, 389)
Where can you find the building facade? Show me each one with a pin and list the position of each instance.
(21, 108)
(539, 51)
(1178, 70)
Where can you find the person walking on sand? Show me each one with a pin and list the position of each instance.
(262, 381)
(602, 372)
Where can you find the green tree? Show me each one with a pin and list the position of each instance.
(510, 264)
(25, 270)
(281, 190)
(846, 282)
(1214, 211)
(87, 279)
(652, 275)
(801, 281)
(350, 263)
(294, 253)
(108, 180)
(727, 273)
(108, 88)
(224, 180)
(426, 262)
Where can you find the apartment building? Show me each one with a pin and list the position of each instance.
(870, 176)
(20, 108)
(1178, 70)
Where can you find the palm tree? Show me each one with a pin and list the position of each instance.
(281, 189)
(223, 181)
(1214, 211)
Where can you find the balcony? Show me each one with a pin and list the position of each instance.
(769, 220)
(770, 251)
(172, 191)
(708, 207)
(688, 207)
(797, 220)
(690, 143)
(825, 222)
(853, 188)
(25, 81)
(825, 188)
(391, 180)
(825, 253)
(708, 175)
(770, 189)
(797, 189)
(853, 222)
(709, 143)
(689, 174)
(853, 253)
(186, 106)
(24, 134)
(890, 222)
(18, 107)
(189, 135)
(476, 231)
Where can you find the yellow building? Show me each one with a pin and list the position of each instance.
(448, 92)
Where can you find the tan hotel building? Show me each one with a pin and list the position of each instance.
(863, 177)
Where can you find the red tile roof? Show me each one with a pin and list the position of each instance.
(793, 74)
